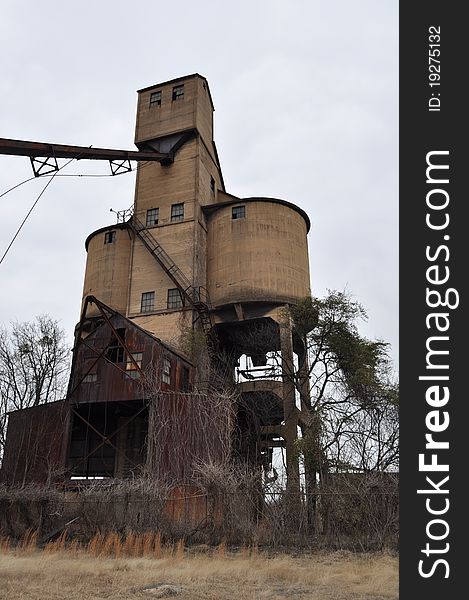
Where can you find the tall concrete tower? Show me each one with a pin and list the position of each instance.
(175, 116)
(194, 256)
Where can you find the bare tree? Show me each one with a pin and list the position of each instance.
(34, 363)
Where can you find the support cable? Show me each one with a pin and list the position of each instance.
(56, 174)
(141, 166)
(33, 206)
(17, 186)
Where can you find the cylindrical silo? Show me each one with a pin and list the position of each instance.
(107, 266)
(257, 252)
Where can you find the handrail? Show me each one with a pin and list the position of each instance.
(198, 297)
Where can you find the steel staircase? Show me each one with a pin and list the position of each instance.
(197, 297)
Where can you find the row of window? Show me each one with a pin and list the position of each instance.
(153, 216)
(166, 371)
(133, 372)
(177, 214)
(156, 97)
(133, 365)
(148, 300)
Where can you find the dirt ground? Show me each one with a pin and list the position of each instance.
(38, 575)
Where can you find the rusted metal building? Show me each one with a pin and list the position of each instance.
(101, 429)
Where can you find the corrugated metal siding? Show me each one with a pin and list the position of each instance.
(111, 383)
(34, 450)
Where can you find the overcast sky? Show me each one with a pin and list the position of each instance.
(306, 99)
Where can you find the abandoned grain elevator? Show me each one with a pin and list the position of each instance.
(189, 261)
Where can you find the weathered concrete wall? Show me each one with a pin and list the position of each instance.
(107, 268)
(193, 111)
(261, 257)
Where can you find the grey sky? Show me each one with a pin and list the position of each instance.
(306, 110)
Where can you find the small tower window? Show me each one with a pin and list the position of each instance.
(115, 351)
(212, 185)
(155, 99)
(178, 92)
(148, 302)
(174, 298)
(238, 212)
(177, 212)
(109, 237)
(153, 215)
(166, 375)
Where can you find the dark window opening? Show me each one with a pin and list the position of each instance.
(177, 212)
(116, 354)
(185, 383)
(155, 99)
(115, 351)
(238, 212)
(166, 375)
(148, 302)
(153, 215)
(88, 455)
(109, 237)
(178, 92)
(174, 298)
(212, 184)
(102, 427)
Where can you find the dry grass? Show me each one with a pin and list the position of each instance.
(77, 574)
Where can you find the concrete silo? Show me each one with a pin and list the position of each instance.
(193, 256)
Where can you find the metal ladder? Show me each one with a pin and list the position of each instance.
(197, 297)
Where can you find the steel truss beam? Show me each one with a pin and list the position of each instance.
(41, 153)
(120, 166)
(44, 166)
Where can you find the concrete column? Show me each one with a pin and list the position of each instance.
(289, 409)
